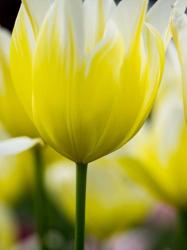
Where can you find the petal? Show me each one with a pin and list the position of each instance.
(17, 145)
(96, 14)
(36, 10)
(12, 114)
(21, 50)
(129, 17)
(172, 77)
(179, 29)
(58, 52)
(154, 50)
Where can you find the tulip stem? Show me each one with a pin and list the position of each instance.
(81, 174)
(40, 197)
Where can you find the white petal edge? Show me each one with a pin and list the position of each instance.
(93, 13)
(129, 18)
(17, 145)
(160, 16)
(36, 10)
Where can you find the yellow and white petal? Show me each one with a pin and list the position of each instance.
(36, 10)
(96, 14)
(12, 114)
(58, 52)
(154, 50)
(17, 145)
(179, 29)
(129, 17)
(21, 53)
(160, 17)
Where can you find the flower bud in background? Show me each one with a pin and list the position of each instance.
(161, 146)
(16, 176)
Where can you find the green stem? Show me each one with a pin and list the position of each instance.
(40, 197)
(81, 174)
(182, 230)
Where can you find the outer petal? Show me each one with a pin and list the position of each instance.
(22, 46)
(179, 28)
(154, 51)
(36, 10)
(12, 114)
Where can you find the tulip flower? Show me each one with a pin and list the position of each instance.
(158, 154)
(120, 202)
(87, 74)
(160, 148)
(94, 58)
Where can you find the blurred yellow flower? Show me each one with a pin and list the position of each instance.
(87, 73)
(160, 148)
(114, 202)
(12, 114)
(8, 229)
(16, 176)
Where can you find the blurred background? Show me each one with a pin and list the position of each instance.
(143, 209)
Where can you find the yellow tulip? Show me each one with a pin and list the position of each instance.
(160, 149)
(12, 114)
(114, 202)
(87, 73)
